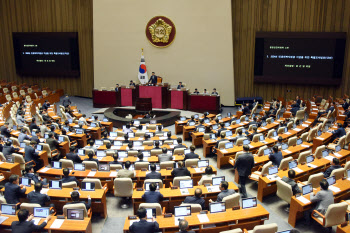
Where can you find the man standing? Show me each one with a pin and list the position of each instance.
(66, 101)
(153, 79)
(244, 164)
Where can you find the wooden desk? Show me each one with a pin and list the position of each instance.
(7, 169)
(341, 229)
(43, 156)
(179, 125)
(231, 219)
(68, 225)
(108, 124)
(321, 140)
(186, 131)
(173, 197)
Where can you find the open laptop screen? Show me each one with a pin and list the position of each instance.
(75, 214)
(249, 202)
(181, 211)
(41, 212)
(217, 207)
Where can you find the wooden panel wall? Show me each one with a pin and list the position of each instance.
(48, 16)
(250, 16)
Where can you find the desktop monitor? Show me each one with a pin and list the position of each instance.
(87, 186)
(307, 189)
(137, 123)
(56, 165)
(93, 125)
(292, 164)
(147, 185)
(8, 209)
(228, 114)
(272, 120)
(228, 145)
(310, 159)
(249, 202)
(217, 180)
(75, 214)
(182, 211)
(284, 146)
(55, 184)
(151, 213)
(275, 134)
(41, 212)
(33, 133)
(273, 170)
(331, 180)
(196, 116)
(203, 163)
(104, 167)
(100, 153)
(319, 133)
(217, 207)
(186, 184)
(79, 166)
(25, 181)
(263, 124)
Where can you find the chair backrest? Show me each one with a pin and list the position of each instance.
(232, 200)
(123, 187)
(80, 206)
(267, 228)
(341, 141)
(15, 141)
(164, 165)
(261, 150)
(239, 141)
(29, 206)
(206, 136)
(281, 130)
(2, 157)
(284, 191)
(156, 152)
(19, 159)
(90, 165)
(268, 120)
(139, 134)
(179, 151)
(318, 151)
(238, 230)
(147, 143)
(290, 125)
(159, 181)
(312, 134)
(191, 162)
(347, 166)
(292, 141)
(335, 214)
(285, 163)
(302, 156)
(140, 165)
(304, 136)
(176, 181)
(115, 166)
(256, 137)
(265, 168)
(242, 118)
(300, 115)
(71, 184)
(98, 184)
(67, 163)
(270, 133)
(157, 206)
(195, 208)
(206, 180)
(338, 173)
(251, 127)
(222, 144)
(46, 148)
(315, 179)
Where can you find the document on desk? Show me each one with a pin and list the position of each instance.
(44, 190)
(287, 151)
(302, 145)
(3, 218)
(338, 155)
(297, 169)
(120, 138)
(330, 158)
(223, 151)
(91, 173)
(184, 191)
(203, 218)
(308, 122)
(319, 138)
(57, 223)
(45, 169)
(273, 177)
(288, 133)
(297, 129)
(334, 189)
(115, 147)
(311, 165)
(162, 138)
(90, 127)
(113, 174)
(36, 221)
(213, 189)
(263, 128)
(304, 125)
(303, 200)
(172, 146)
(197, 169)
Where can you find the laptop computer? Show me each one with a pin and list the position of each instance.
(227, 124)
(75, 214)
(299, 141)
(22, 145)
(267, 151)
(56, 164)
(55, 184)
(98, 142)
(79, 166)
(151, 213)
(228, 133)
(325, 153)
(41, 212)
(217, 207)
(39, 147)
(192, 123)
(153, 122)
(182, 211)
(331, 180)
(8, 209)
(104, 167)
(249, 202)
(87, 186)
(182, 118)
(212, 136)
(203, 163)
(337, 148)
(214, 127)
(25, 181)
(147, 186)
(310, 159)
(246, 142)
(201, 129)
(113, 134)
(122, 154)
(100, 153)
(117, 143)
(186, 184)
(131, 134)
(81, 152)
(146, 153)
(217, 180)
(273, 170)
(60, 138)
(292, 164)
(228, 145)
(306, 189)
(284, 146)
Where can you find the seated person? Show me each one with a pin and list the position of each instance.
(30, 174)
(215, 92)
(329, 109)
(143, 226)
(8, 149)
(255, 132)
(127, 129)
(340, 132)
(53, 143)
(132, 83)
(183, 225)
(31, 155)
(66, 178)
(23, 136)
(37, 197)
(14, 191)
(25, 224)
(126, 173)
(164, 156)
(126, 139)
(222, 138)
(208, 174)
(276, 157)
(35, 138)
(289, 180)
(196, 91)
(154, 174)
(196, 199)
(334, 165)
(205, 92)
(224, 191)
(91, 143)
(191, 155)
(180, 86)
(115, 159)
(91, 157)
(179, 144)
(116, 87)
(76, 199)
(73, 156)
(168, 134)
(152, 196)
(5, 130)
(181, 170)
(156, 145)
(140, 157)
(222, 128)
(140, 129)
(159, 129)
(279, 141)
(191, 120)
(105, 136)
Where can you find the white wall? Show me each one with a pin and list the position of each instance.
(201, 55)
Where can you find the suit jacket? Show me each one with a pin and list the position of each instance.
(37, 197)
(154, 175)
(93, 160)
(152, 197)
(23, 136)
(340, 132)
(33, 126)
(33, 177)
(30, 154)
(87, 205)
(191, 155)
(244, 164)
(179, 87)
(179, 146)
(164, 158)
(324, 198)
(36, 139)
(13, 192)
(246, 110)
(8, 150)
(218, 141)
(153, 79)
(69, 179)
(46, 106)
(276, 158)
(251, 136)
(291, 182)
(26, 227)
(195, 200)
(53, 143)
(328, 172)
(225, 193)
(66, 101)
(182, 171)
(144, 227)
(4, 131)
(74, 157)
(124, 173)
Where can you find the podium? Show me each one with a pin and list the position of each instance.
(143, 104)
(128, 96)
(158, 94)
(178, 99)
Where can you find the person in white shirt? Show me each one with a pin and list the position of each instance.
(127, 129)
(82, 119)
(208, 175)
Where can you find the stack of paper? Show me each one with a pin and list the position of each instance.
(91, 173)
(304, 125)
(45, 169)
(113, 174)
(297, 169)
(319, 138)
(330, 158)
(303, 200)
(304, 145)
(203, 218)
(223, 151)
(297, 129)
(334, 189)
(214, 188)
(273, 177)
(115, 147)
(57, 223)
(338, 155)
(287, 151)
(198, 169)
(44, 190)
(184, 191)
(312, 165)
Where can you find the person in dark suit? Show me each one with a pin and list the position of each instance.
(13, 190)
(246, 110)
(222, 138)
(53, 143)
(196, 91)
(132, 83)
(298, 100)
(35, 138)
(181, 170)
(222, 128)
(66, 101)
(66, 178)
(164, 157)
(180, 86)
(115, 158)
(156, 145)
(196, 199)
(215, 92)
(30, 154)
(36, 197)
(255, 132)
(33, 125)
(4, 130)
(143, 226)
(179, 144)
(91, 157)
(116, 87)
(76, 199)
(276, 157)
(183, 225)
(224, 192)
(73, 156)
(329, 109)
(8, 150)
(31, 175)
(244, 164)
(152, 196)
(23, 136)
(340, 132)
(25, 224)
(290, 180)
(153, 174)
(153, 79)
(334, 165)
(191, 155)
(46, 105)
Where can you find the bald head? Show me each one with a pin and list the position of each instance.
(198, 192)
(183, 225)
